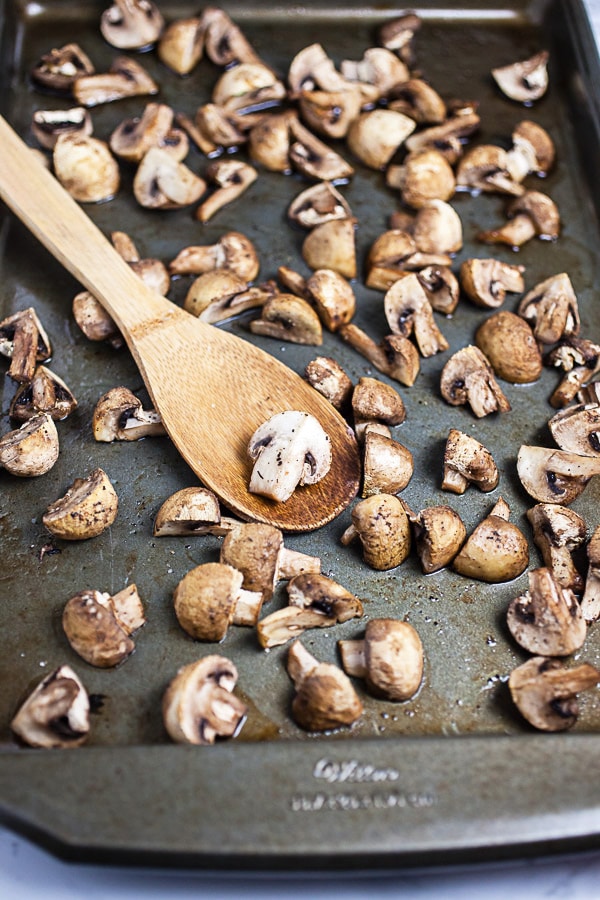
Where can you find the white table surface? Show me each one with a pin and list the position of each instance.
(29, 873)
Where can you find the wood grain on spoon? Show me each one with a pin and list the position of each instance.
(211, 388)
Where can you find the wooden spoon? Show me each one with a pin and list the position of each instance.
(212, 389)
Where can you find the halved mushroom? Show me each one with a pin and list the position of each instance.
(56, 714)
(210, 597)
(310, 69)
(577, 428)
(232, 178)
(332, 245)
(94, 321)
(189, 511)
(532, 215)
(87, 509)
(45, 393)
(315, 601)
(394, 253)
(387, 465)
(312, 157)
(131, 24)
(448, 137)
(330, 113)
(232, 251)
(389, 658)
(125, 78)
(487, 281)
(485, 168)
(509, 345)
(247, 86)
(324, 697)
(532, 151)
(119, 416)
(496, 551)
(196, 133)
(133, 137)
(546, 620)
(161, 182)
(289, 450)
(317, 204)
(557, 532)
(332, 297)
(257, 551)
(418, 100)
(24, 341)
(590, 602)
(375, 401)
(408, 310)
(423, 176)
(32, 449)
(48, 124)
(395, 356)
(555, 476)
(99, 627)
(199, 705)
(381, 524)
(551, 309)
(467, 377)
(437, 228)
(441, 286)
(329, 379)
(398, 35)
(376, 135)
(545, 692)
(181, 44)
(467, 461)
(525, 80)
(226, 44)
(86, 168)
(289, 318)
(377, 73)
(439, 534)
(580, 359)
(59, 69)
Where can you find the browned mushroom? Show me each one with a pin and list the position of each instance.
(24, 341)
(509, 344)
(86, 168)
(133, 137)
(45, 393)
(424, 175)
(317, 204)
(545, 692)
(381, 524)
(56, 714)
(389, 658)
(487, 281)
(418, 100)
(119, 416)
(580, 359)
(467, 377)
(181, 44)
(193, 510)
(376, 135)
(61, 67)
(232, 251)
(496, 551)
(324, 698)
(395, 356)
(525, 80)
(439, 534)
(99, 627)
(125, 78)
(577, 428)
(387, 464)
(546, 620)
(554, 476)
(533, 214)
(557, 532)
(590, 602)
(375, 401)
(332, 245)
(467, 461)
(161, 182)
(329, 378)
(48, 124)
(232, 178)
(131, 24)
(289, 318)
(408, 310)
(210, 597)
(551, 309)
(32, 449)
(87, 509)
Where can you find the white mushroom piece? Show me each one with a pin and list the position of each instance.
(557, 532)
(288, 318)
(189, 511)
(376, 135)
(424, 175)
(119, 416)
(199, 705)
(210, 597)
(131, 24)
(99, 626)
(24, 341)
(374, 401)
(468, 378)
(551, 309)
(45, 393)
(545, 692)
(32, 449)
(315, 601)
(225, 43)
(467, 461)
(324, 698)
(533, 214)
(332, 296)
(56, 714)
(590, 602)
(257, 551)
(332, 245)
(554, 476)
(524, 81)
(328, 377)
(487, 281)
(439, 533)
(181, 44)
(508, 343)
(317, 204)
(577, 428)
(381, 525)
(125, 78)
(233, 250)
(408, 311)
(247, 87)
(87, 509)
(547, 619)
(48, 124)
(495, 551)
(376, 74)
(448, 137)
(94, 321)
(395, 356)
(86, 168)
(161, 182)
(289, 450)
(580, 359)
(231, 177)
(389, 658)
(133, 137)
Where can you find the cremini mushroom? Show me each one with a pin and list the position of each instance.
(199, 705)
(45, 393)
(551, 309)
(408, 311)
(557, 532)
(439, 533)
(525, 80)
(231, 177)
(119, 416)
(330, 113)
(577, 428)
(220, 294)
(485, 168)
(233, 250)
(247, 86)
(387, 464)
(94, 321)
(376, 401)
(441, 286)
(508, 343)
(545, 692)
(289, 450)
(86, 168)
(332, 245)
(58, 69)
(424, 175)
(131, 24)
(467, 377)
(467, 461)
(210, 597)
(289, 318)
(99, 626)
(181, 44)
(225, 43)
(324, 697)
(312, 69)
(395, 355)
(125, 78)
(317, 204)
(192, 510)
(377, 73)
(48, 124)
(161, 182)
(398, 35)
(580, 359)
(590, 602)
(546, 620)
(328, 377)
(56, 714)
(133, 137)
(87, 509)
(437, 228)
(394, 253)
(495, 551)
(332, 296)
(381, 525)
(532, 151)
(24, 341)
(533, 214)
(258, 552)
(376, 135)
(448, 137)
(389, 658)
(32, 449)
(418, 100)
(487, 281)
(554, 476)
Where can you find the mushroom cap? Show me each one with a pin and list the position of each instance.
(125, 78)
(487, 281)
(467, 377)
(387, 465)
(187, 511)
(254, 548)
(181, 44)
(131, 24)
(496, 551)
(557, 531)
(376, 135)
(554, 476)
(381, 524)
(545, 692)
(547, 619)
(333, 298)
(441, 286)
(419, 101)
(45, 393)
(510, 346)
(332, 245)
(133, 137)
(407, 309)
(425, 175)
(551, 309)
(577, 429)
(438, 228)
(289, 318)
(48, 124)
(375, 400)
(324, 697)
(56, 713)
(394, 659)
(32, 449)
(87, 509)
(439, 535)
(161, 182)
(318, 203)
(467, 461)
(61, 67)
(525, 80)
(327, 376)
(205, 598)
(85, 167)
(94, 631)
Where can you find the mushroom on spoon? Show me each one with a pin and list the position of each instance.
(212, 389)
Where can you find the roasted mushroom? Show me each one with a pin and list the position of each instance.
(32, 449)
(423, 176)
(441, 286)
(554, 476)
(551, 309)
(133, 137)
(577, 428)
(547, 620)
(525, 80)
(487, 281)
(580, 359)
(419, 101)
(324, 698)
(439, 534)
(232, 178)
(398, 35)
(193, 510)
(389, 658)
(496, 551)
(48, 124)
(533, 214)
(485, 168)
(99, 627)
(376, 135)
(557, 532)
(437, 228)
(387, 465)
(332, 245)
(467, 377)
(408, 310)
(509, 345)
(332, 297)
(87, 509)
(86, 168)
(381, 524)
(375, 401)
(125, 78)
(395, 356)
(317, 204)
(61, 67)
(532, 151)
(56, 714)
(545, 692)
(232, 251)
(161, 182)
(181, 44)
(467, 461)
(590, 602)
(131, 24)
(329, 379)
(210, 597)
(289, 318)
(119, 416)
(45, 393)
(393, 254)
(24, 341)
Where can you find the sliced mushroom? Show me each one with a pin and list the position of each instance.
(125, 78)
(389, 658)
(467, 377)
(246, 86)
(423, 176)
(590, 602)
(232, 251)
(87, 509)
(531, 215)
(317, 204)
(441, 286)
(86, 168)
(181, 44)
(310, 69)
(24, 341)
(133, 137)
(189, 511)
(486, 169)
(467, 461)
(418, 100)
(269, 141)
(557, 532)
(439, 534)
(532, 151)
(487, 281)
(381, 524)
(329, 379)
(330, 113)
(525, 80)
(376, 135)
(554, 476)
(378, 73)
(577, 429)
(496, 551)
(99, 627)
(395, 356)
(375, 401)
(56, 714)
(332, 296)
(580, 359)
(59, 69)
(394, 253)
(314, 158)
(545, 692)
(437, 228)
(199, 705)
(289, 318)
(45, 393)
(387, 465)
(210, 597)
(289, 450)
(546, 620)
(448, 137)
(258, 552)
(408, 310)
(161, 182)
(332, 245)
(32, 449)
(551, 309)
(48, 124)
(232, 178)
(197, 134)
(131, 24)
(509, 345)
(324, 698)
(398, 35)
(119, 416)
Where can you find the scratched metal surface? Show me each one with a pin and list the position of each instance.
(468, 650)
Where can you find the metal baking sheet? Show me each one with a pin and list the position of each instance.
(453, 774)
